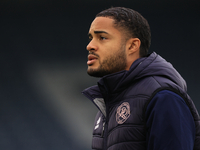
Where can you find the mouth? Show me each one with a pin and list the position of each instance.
(91, 59)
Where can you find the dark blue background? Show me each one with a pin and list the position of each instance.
(56, 31)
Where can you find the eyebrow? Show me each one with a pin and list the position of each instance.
(98, 32)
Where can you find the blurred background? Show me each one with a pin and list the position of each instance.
(43, 65)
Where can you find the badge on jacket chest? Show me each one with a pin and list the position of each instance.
(123, 113)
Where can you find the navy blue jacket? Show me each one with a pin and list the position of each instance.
(145, 108)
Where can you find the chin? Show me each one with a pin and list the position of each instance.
(92, 68)
(94, 72)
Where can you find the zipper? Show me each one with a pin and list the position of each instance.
(105, 94)
(106, 124)
(105, 133)
(102, 134)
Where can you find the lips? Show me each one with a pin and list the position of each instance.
(91, 59)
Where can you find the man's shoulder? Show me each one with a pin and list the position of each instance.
(167, 100)
(165, 94)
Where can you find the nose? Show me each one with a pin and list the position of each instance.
(92, 46)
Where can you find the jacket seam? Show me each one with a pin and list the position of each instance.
(97, 135)
(125, 142)
(136, 96)
(122, 126)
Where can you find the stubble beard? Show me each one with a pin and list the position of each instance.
(111, 64)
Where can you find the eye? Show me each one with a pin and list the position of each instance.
(89, 39)
(102, 38)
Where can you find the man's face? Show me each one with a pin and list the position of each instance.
(107, 52)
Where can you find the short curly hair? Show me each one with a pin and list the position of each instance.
(133, 23)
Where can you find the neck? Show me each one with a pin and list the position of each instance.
(130, 61)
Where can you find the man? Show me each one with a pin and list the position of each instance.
(142, 100)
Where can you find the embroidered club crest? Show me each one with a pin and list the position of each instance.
(123, 113)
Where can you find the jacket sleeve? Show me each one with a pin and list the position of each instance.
(170, 124)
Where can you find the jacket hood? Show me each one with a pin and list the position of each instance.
(153, 65)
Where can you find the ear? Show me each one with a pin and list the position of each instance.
(133, 46)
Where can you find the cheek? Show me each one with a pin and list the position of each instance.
(108, 50)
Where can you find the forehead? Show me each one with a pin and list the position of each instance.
(102, 23)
